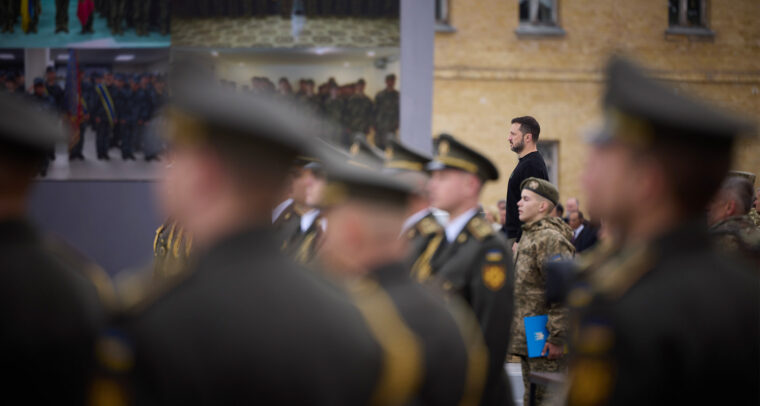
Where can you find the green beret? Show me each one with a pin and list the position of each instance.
(541, 187)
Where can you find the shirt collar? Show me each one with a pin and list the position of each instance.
(308, 218)
(414, 219)
(280, 208)
(578, 230)
(455, 226)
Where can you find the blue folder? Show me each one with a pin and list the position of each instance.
(536, 334)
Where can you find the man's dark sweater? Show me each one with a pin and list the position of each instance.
(531, 165)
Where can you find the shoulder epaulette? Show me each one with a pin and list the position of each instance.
(479, 228)
(429, 226)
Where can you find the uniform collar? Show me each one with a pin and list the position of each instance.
(277, 212)
(455, 226)
(414, 219)
(308, 219)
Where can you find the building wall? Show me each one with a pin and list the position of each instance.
(485, 74)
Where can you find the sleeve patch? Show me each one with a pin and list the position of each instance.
(494, 276)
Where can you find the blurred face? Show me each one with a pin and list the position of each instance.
(516, 138)
(10, 85)
(609, 181)
(144, 82)
(178, 183)
(360, 87)
(50, 76)
(108, 79)
(301, 182)
(446, 188)
(503, 211)
(574, 220)
(572, 205)
(531, 207)
(341, 239)
(390, 82)
(39, 90)
(314, 191)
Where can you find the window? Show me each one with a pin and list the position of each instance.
(538, 17)
(550, 151)
(688, 17)
(442, 23)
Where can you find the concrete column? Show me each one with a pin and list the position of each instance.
(416, 79)
(35, 62)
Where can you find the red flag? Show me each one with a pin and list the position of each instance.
(84, 10)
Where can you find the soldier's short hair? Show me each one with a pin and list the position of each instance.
(390, 76)
(740, 191)
(361, 82)
(528, 125)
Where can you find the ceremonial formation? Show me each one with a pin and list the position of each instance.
(295, 268)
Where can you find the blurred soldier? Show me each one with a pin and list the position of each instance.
(386, 112)
(46, 104)
(732, 229)
(442, 342)
(54, 90)
(545, 238)
(305, 243)
(226, 174)
(141, 16)
(10, 83)
(104, 115)
(116, 14)
(123, 103)
(359, 110)
(7, 16)
(420, 226)
(334, 110)
(153, 145)
(286, 216)
(50, 311)
(469, 258)
(662, 312)
(30, 15)
(61, 16)
(86, 15)
(144, 108)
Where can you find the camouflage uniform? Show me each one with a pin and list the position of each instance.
(545, 240)
(754, 216)
(737, 235)
(359, 113)
(386, 115)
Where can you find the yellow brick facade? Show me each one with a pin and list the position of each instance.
(485, 74)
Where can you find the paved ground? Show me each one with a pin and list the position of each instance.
(101, 38)
(274, 31)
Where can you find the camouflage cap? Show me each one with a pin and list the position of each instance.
(451, 153)
(541, 187)
(745, 175)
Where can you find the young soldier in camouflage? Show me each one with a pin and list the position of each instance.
(732, 230)
(386, 112)
(545, 238)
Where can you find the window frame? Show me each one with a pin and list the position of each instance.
(682, 27)
(552, 146)
(535, 28)
(443, 24)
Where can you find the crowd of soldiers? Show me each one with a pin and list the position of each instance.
(142, 15)
(294, 271)
(285, 8)
(117, 107)
(348, 111)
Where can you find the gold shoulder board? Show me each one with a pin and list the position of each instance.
(479, 228)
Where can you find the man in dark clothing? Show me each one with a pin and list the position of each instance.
(49, 310)
(584, 233)
(523, 137)
(53, 89)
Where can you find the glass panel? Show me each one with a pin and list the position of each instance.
(524, 10)
(545, 11)
(693, 13)
(673, 12)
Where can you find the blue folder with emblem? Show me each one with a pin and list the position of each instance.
(536, 334)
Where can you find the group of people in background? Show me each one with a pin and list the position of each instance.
(142, 15)
(346, 108)
(117, 107)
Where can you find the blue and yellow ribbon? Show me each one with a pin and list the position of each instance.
(105, 98)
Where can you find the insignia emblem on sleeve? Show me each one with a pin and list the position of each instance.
(494, 276)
